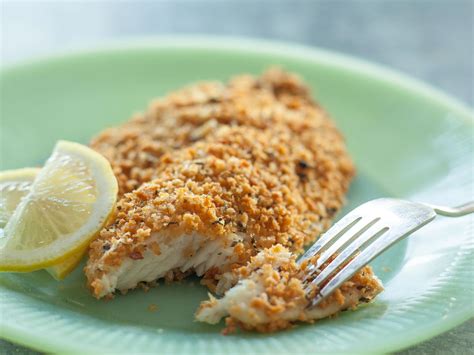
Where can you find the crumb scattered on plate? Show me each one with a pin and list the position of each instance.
(152, 307)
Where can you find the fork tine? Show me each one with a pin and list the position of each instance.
(362, 241)
(399, 218)
(363, 225)
(343, 241)
(331, 235)
(367, 255)
(337, 230)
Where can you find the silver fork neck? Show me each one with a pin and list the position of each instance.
(458, 211)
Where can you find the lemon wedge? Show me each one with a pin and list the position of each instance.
(14, 185)
(68, 202)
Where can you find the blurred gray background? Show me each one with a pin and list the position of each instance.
(431, 40)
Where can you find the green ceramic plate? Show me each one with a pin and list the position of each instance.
(407, 140)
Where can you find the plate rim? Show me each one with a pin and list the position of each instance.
(252, 45)
(314, 55)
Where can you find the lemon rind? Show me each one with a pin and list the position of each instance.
(106, 185)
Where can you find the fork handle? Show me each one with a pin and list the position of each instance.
(458, 211)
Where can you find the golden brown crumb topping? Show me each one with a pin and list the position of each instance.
(189, 115)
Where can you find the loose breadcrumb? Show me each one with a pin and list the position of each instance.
(152, 307)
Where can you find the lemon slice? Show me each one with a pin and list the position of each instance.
(67, 204)
(14, 184)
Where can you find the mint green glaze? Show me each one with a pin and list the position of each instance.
(407, 140)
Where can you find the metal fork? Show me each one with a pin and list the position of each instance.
(363, 234)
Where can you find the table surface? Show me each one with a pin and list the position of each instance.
(429, 40)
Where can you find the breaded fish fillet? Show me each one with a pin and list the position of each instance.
(258, 164)
(269, 295)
